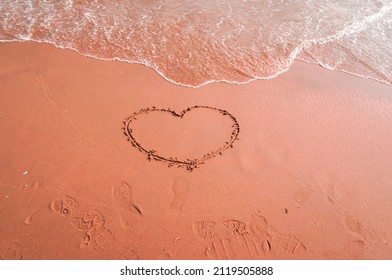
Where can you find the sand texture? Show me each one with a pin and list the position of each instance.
(107, 160)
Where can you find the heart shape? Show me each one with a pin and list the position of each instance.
(189, 164)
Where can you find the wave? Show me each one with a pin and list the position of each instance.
(194, 43)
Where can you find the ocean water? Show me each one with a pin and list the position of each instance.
(192, 43)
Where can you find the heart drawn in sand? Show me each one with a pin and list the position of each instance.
(187, 163)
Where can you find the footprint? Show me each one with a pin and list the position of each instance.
(268, 240)
(102, 240)
(259, 227)
(235, 227)
(180, 190)
(92, 221)
(128, 210)
(204, 229)
(230, 239)
(65, 206)
(271, 239)
(129, 213)
(207, 231)
(10, 250)
(234, 239)
(220, 250)
(288, 243)
(96, 235)
(245, 244)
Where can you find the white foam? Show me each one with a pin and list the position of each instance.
(196, 43)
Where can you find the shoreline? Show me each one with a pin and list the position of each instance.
(308, 178)
(295, 60)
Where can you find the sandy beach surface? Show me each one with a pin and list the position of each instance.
(299, 166)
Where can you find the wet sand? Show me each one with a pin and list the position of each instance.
(307, 176)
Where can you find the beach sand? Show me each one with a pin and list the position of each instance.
(309, 176)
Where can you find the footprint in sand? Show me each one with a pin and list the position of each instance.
(204, 229)
(233, 239)
(65, 206)
(220, 250)
(272, 240)
(129, 212)
(230, 239)
(242, 243)
(180, 190)
(92, 223)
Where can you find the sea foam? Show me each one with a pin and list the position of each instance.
(193, 43)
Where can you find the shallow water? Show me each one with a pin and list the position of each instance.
(196, 42)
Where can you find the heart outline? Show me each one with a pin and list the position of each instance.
(190, 164)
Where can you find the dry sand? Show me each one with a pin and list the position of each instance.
(309, 177)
